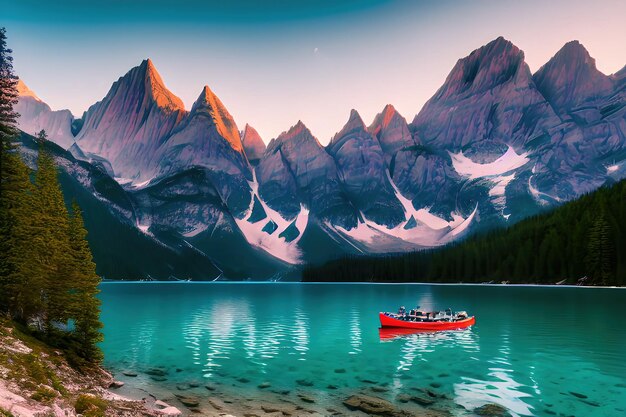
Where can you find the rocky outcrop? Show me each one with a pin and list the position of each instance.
(35, 115)
(305, 167)
(571, 79)
(392, 132)
(362, 170)
(208, 137)
(132, 122)
(488, 102)
(252, 144)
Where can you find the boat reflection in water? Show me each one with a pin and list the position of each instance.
(391, 333)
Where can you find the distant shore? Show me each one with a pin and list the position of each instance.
(110, 281)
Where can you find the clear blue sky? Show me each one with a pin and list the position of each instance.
(275, 62)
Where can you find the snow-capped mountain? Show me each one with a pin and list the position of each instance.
(495, 144)
(35, 115)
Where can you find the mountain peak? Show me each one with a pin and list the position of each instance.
(391, 130)
(252, 143)
(24, 91)
(208, 103)
(354, 123)
(156, 88)
(298, 132)
(485, 68)
(570, 78)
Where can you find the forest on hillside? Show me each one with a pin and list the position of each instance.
(583, 240)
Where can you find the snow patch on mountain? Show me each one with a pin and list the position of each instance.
(274, 242)
(540, 196)
(493, 172)
(508, 162)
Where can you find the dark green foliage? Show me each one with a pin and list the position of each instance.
(84, 303)
(47, 276)
(583, 238)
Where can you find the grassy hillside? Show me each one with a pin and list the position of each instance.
(582, 238)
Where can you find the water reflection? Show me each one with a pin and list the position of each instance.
(355, 332)
(499, 387)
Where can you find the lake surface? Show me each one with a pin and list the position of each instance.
(535, 350)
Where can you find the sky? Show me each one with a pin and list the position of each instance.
(275, 62)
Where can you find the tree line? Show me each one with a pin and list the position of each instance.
(48, 279)
(583, 241)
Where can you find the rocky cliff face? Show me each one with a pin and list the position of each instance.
(252, 144)
(361, 168)
(590, 147)
(35, 115)
(304, 165)
(488, 102)
(132, 122)
(208, 137)
(571, 79)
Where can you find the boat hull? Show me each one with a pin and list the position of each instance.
(391, 322)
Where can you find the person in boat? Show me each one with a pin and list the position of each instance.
(401, 311)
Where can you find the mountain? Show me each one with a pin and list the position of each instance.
(579, 239)
(591, 146)
(488, 103)
(121, 250)
(571, 79)
(35, 115)
(130, 124)
(361, 167)
(253, 144)
(494, 145)
(208, 137)
(296, 170)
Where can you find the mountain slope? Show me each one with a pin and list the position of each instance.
(120, 250)
(132, 122)
(208, 137)
(361, 166)
(583, 238)
(253, 144)
(35, 115)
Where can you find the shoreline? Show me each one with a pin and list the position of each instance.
(358, 283)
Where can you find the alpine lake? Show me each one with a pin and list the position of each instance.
(534, 351)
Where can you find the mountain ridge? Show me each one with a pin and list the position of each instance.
(488, 149)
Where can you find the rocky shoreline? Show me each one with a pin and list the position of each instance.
(240, 396)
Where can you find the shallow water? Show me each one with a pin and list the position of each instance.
(535, 350)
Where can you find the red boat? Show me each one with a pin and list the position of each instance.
(414, 322)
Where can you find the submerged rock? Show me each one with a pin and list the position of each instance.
(156, 372)
(169, 411)
(188, 401)
(306, 398)
(492, 410)
(373, 406)
(264, 385)
(304, 382)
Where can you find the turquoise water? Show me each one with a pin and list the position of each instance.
(535, 350)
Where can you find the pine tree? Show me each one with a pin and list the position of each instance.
(51, 241)
(85, 304)
(600, 250)
(8, 97)
(15, 192)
